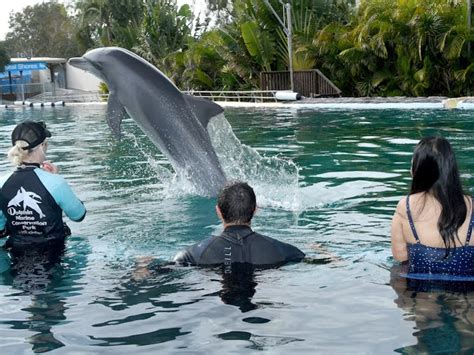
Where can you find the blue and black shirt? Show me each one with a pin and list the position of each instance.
(32, 201)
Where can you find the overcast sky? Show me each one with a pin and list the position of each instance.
(8, 6)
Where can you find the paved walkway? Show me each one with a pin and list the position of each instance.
(398, 102)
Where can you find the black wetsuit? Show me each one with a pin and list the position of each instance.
(239, 244)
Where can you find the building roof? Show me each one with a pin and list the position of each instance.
(47, 60)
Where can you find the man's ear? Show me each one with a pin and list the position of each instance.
(219, 213)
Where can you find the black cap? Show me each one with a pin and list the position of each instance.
(32, 132)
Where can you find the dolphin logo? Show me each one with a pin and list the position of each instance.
(30, 201)
(175, 123)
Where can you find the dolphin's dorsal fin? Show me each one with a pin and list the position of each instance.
(115, 114)
(203, 109)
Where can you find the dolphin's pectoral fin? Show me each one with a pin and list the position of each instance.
(203, 109)
(115, 114)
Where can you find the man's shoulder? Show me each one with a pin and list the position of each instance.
(266, 238)
(205, 243)
(192, 254)
(274, 243)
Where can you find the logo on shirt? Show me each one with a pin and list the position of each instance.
(26, 199)
(228, 259)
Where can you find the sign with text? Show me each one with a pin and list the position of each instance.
(16, 67)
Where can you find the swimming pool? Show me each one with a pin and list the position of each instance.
(335, 204)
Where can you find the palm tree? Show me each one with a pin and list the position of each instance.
(95, 20)
(400, 47)
(164, 34)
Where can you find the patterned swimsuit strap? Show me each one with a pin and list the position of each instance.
(471, 223)
(410, 220)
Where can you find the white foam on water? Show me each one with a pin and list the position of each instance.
(173, 184)
(406, 141)
(357, 174)
(324, 193)
(274, 179)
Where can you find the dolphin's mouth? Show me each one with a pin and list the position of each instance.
(81, 63)
(88, 66)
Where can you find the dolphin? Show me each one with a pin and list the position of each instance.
(175, 123)
(29, 199)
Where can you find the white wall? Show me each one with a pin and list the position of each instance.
(41, 76)
(80, 79)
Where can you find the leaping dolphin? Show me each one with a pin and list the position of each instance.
(176, 123)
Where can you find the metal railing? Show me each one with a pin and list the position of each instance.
(235, 96)
(73, 96)
(47, 92)
(309, 83)
(22, 92)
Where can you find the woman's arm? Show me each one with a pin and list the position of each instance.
(399, 244)
(63, 195)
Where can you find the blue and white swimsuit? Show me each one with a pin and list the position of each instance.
(32, 201)
(431, 263)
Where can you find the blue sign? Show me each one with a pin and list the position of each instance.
(25, 66)
(15, 74)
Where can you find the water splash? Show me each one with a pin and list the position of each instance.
(325, 194)
(172, 183)
(274, 179)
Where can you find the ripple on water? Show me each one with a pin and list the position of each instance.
(115, 289)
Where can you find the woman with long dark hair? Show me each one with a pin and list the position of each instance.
(432, 226)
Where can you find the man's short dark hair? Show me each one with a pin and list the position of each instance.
(237, 203)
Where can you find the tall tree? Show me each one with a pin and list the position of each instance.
(109, 22)
(43, 29)
(255, 40)
(4, 58)
(157, 30)
(165, 32)
(401, 47)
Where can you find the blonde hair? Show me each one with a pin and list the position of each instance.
(17, 154)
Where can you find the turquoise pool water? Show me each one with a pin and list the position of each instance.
(327, 181)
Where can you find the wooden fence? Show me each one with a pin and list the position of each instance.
(309, 83)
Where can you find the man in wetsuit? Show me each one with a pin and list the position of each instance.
(238, 243)
(34, 196)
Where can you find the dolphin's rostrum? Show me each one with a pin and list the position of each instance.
(176, 123)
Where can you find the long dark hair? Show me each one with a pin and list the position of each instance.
(435, 170)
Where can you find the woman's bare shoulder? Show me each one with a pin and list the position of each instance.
(417, 197)
(469, 202)
(421, 200)
(401, 209)
(415, 202)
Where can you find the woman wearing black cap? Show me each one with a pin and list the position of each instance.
(33, 197)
